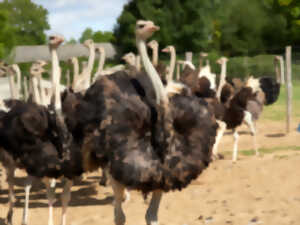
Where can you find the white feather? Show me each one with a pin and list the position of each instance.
(206, 72)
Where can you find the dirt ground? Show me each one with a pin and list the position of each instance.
(255, 190)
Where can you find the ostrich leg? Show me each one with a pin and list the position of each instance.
(248, 120)
(28, 185)
(50, 186)
(235, 145)
(65, 199)
(118, 190)
(10, 174)
(151, 215)
(220, 133)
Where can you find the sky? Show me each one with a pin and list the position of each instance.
(71, 17)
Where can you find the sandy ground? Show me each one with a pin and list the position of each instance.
(255, 190)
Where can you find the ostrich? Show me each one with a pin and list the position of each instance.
(171, 49)
(36, 137)
(108, 71)
(149, 141)
(6, 158)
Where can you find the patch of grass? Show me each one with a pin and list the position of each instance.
(264, 150)
(277, 111)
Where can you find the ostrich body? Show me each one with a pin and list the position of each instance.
(149, 141)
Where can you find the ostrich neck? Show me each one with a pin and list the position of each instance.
(12, 86)
(25, 88)
(36, 94)
(42, 91)
(18, 87)
(76, 67)
(55, 79)
(138, 62)
(90, 63)
(172, 64)
(222, 79)
(101, 62)
(161, 96)
(155, 55)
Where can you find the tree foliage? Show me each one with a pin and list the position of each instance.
(97, 36)
(28, 19)
(7, 37)
(232, 27)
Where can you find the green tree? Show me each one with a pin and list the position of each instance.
(105, 36)
(7, 35)
(28, 19)
(72, 41)
(98, 36)
(87, 34)
(185, 24)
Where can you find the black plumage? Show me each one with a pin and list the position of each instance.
(143, 147)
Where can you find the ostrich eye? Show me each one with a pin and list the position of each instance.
(140, 26)
(52, 38)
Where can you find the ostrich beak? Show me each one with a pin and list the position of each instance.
(165, 50)
(154, 28)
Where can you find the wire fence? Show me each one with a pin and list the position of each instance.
(258, 64)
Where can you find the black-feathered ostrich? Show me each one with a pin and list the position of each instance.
(37, 138)
(148, 140)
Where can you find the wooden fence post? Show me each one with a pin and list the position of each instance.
(289, 91)
(189, 56)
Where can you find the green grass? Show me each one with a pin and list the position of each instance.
(265, 150)
(277, 111)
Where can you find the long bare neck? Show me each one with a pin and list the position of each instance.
(138, 62)
(222, 79)
(35, 89)
(161, 95)
(177, 71)
(90, 62)
(155, 55)
(18, 73)
(75, 67)
(25, 83)
(56, 74)
(12, 86)
(42, 91)
(172, 64)
(101, 62)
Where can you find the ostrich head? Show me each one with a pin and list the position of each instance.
(100, 50)
(55, 41)
(153, 44)
(3, 69)
(88, 43)
(203, 54)
(72, 60)
(6, 70)
(145, 29)
(129, 58)
(222, 60)
(37, 68)
(168, 49)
